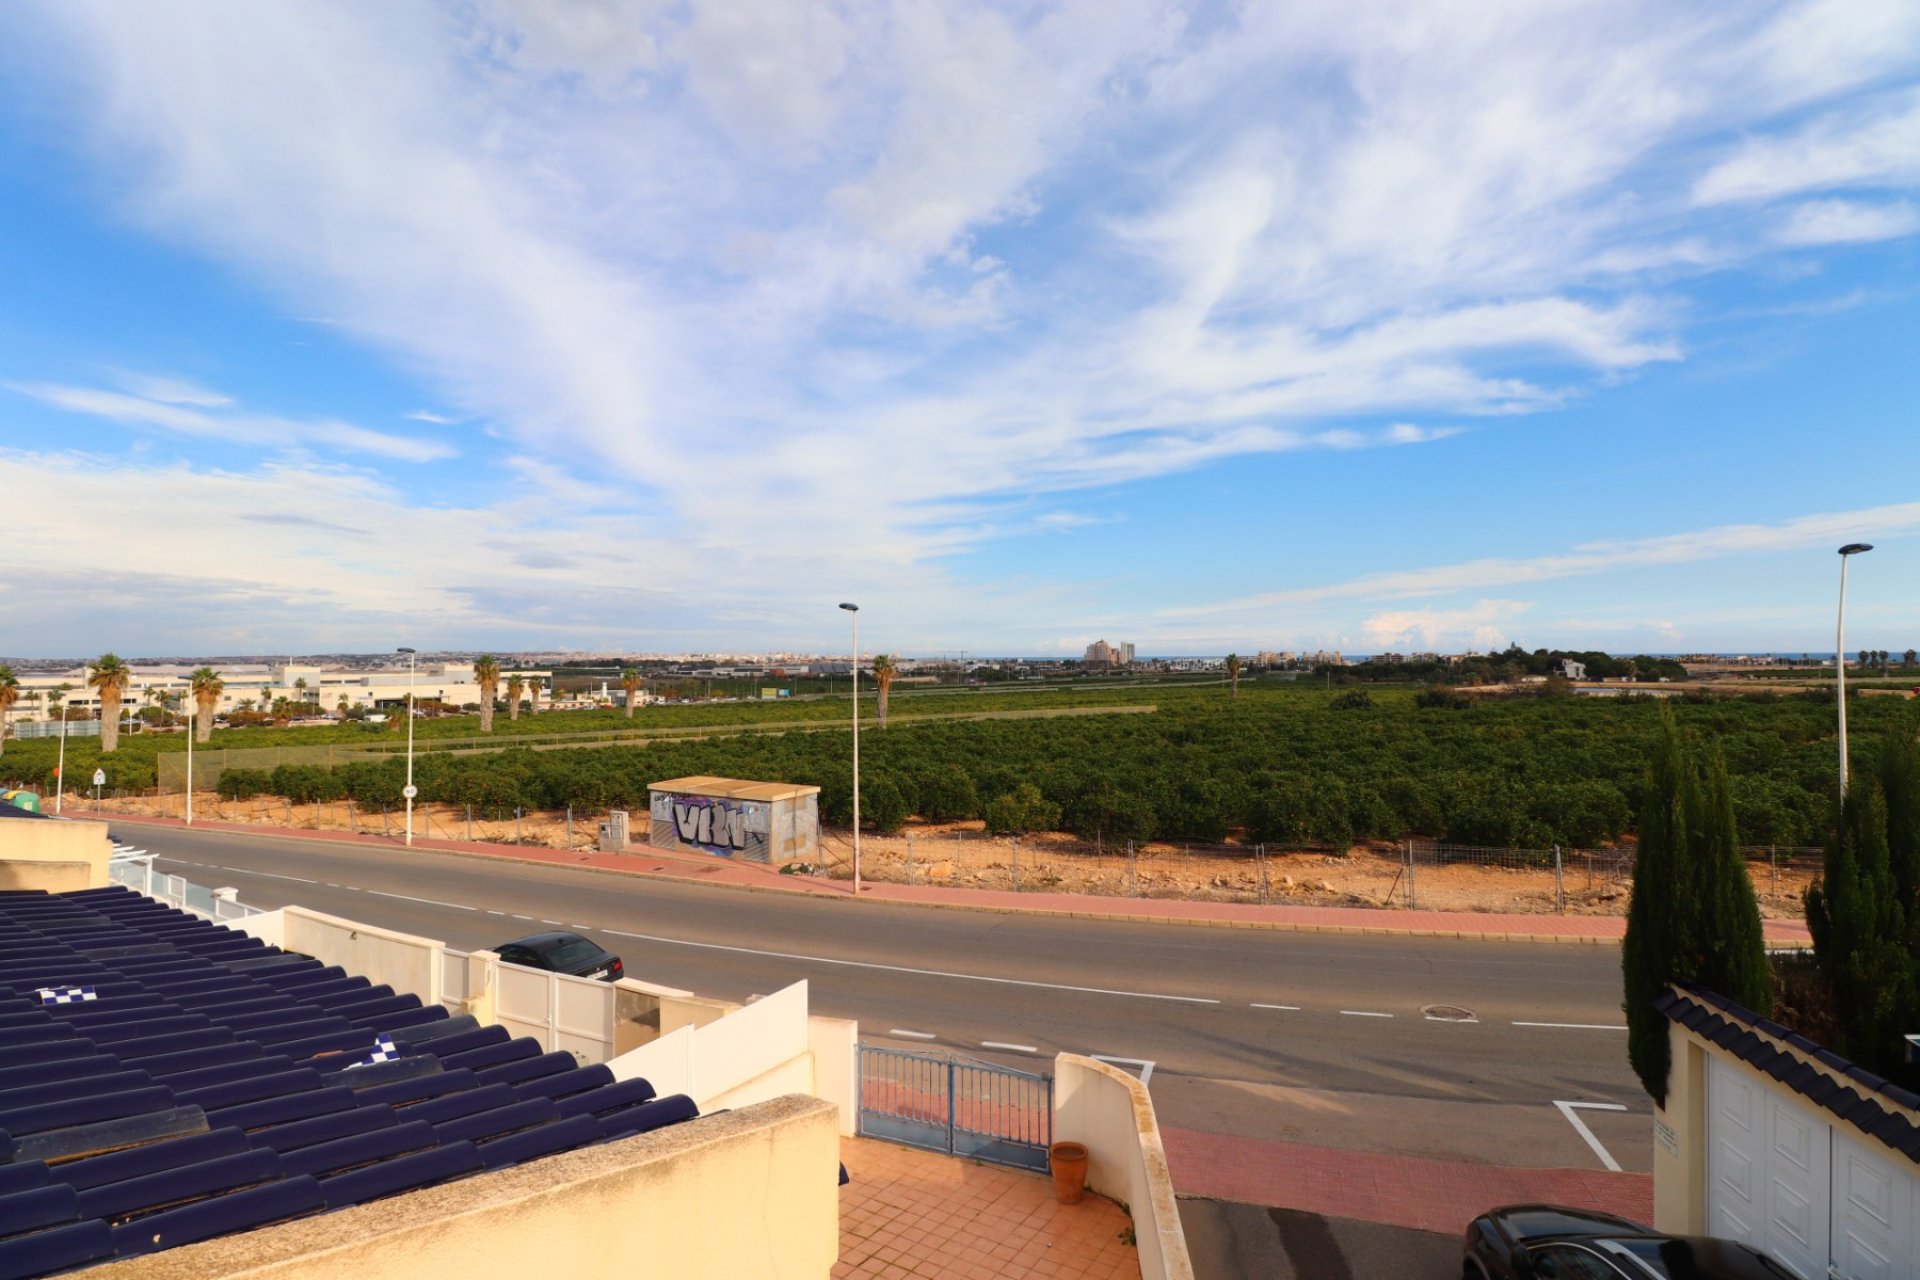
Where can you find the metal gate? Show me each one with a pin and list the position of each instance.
(956, 1104)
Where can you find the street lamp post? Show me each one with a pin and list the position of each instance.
(60, 769)
(409, 791)
(854, 609)
(192, 728)
(1840, 655)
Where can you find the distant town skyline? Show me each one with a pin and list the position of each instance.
(1429, 326)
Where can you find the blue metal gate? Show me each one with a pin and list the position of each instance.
(960, 1105)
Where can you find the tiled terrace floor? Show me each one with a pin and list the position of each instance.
(917, 1213)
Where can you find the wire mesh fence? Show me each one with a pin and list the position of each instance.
(1413, 873)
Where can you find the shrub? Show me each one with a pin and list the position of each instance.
(244, 784)
(882, 806)
(1022, 810)
(1352, 700)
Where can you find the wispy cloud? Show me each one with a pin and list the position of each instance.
(1900, 519)
(1848, 222)
(181, 410)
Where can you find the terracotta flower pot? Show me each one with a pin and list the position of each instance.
(1068, 1160)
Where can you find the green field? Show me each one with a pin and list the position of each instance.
(1282, 763)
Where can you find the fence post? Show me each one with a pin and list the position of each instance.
(516, 824)
(353, 823)
(569, 826)
(909, 857)
(1133, 875)
(1260, 851)
(1014, 843)
(469, 824)
(1412, 894)
(1559, 884)
(1773, 861)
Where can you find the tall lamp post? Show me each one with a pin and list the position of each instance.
(854, 609)
(1840, 654)
(192, 729)
(59, 700)
(409, 791)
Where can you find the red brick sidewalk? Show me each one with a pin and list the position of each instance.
(644, 860)
(1402, 1191)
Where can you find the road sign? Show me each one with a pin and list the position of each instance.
(409, 791)
(99, 777)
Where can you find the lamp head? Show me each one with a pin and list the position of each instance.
(1855, 548)
(406, 651)
(850, 608)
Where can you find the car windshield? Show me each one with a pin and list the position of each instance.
(568, 954)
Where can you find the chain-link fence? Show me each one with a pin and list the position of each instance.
(1416, 873)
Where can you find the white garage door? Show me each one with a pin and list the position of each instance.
(1767, 1171)
(1876, 1212)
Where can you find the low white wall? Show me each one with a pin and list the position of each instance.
(401, 960)
(835, 1046)
(1111, 1114)
(759, 1051)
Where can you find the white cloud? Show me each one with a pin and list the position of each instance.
(1872, 145)
(1848, 222)
(1006, 250)
(1896, 520)
(170, 412)
(173, 391)
(1481, 625)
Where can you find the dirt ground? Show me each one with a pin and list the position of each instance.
(962, 854)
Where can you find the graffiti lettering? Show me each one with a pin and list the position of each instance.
(714, 824)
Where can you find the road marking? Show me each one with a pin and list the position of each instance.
(1575, 1026)
(1580, 1126)
(248, 871)
(897, 968)
(1290, 1008)
(492, 912)
(1016, 1048)
(1364, 1013)
(913, 1035)
(1145, 1064)
(561, 923)
(432, 902)
(518, 916)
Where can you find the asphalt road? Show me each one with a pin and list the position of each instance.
(1319, 1038)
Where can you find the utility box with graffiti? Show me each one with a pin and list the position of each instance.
(773, 822)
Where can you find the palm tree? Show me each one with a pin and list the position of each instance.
(300, 687)
(344, 704)
(1233, 673)
(883, 673)
(515, 683)
(109, 675)
(534, 686)
(206, 685)
(486, 673)
(630, 681)
(9, 694)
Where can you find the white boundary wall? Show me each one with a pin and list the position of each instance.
(1111, 1113)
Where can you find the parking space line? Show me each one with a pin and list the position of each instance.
(1580, 1126)
(1016, 1048)
(1290, 1008)
(912, 1035)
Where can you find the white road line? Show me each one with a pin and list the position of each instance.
(1580, 1127)
(1016, 1048)
(1364, 1013)
(897, 968)
(1145, 1064)
(518, 916)
(561, 923)
(248, 871)
(492, 912)
(1575, 1026)
(1290, 1008)
(432, 902)
(913, 1035)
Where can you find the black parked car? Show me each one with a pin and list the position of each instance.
(1547, 1242)
(563, 953)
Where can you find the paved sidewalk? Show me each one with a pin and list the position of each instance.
(1402, 1191)
(906, 1212)
(643, 860)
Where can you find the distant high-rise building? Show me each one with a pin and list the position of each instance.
(1126, 653)
(1098, 654)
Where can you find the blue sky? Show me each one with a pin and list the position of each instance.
(666, 326)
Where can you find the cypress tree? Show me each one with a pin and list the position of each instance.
(1731, 955)
(1692, 914)
(1658, 946)
(1861, 917)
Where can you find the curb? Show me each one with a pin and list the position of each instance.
(505, 852)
